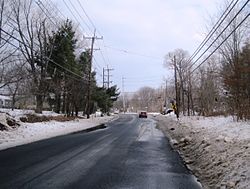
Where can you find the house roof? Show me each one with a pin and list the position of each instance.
(2, 97)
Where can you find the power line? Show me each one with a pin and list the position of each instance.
(45, 57)
(86, 14)
(40, 3)
(143, 77)
(52, 4)
(78, 21)
(7, 41)
(213, 30)
(85, 24)
(221, 33)
(106, 61)
(73, 14)
(220, 44)
(66, 69)
(91, 22)
(80, 15)
(99, 67)
(133, 53)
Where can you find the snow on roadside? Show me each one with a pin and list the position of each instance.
(220, 126)
(31, 132)
(16, 113)
(216, 149)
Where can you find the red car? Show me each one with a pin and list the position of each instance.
(143, 114)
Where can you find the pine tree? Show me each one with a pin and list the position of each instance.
(62, 62)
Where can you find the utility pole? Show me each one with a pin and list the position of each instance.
(166, 91)
(89, 71)
(103, 77)
(108, 70)
(176, 89)
(108, 82)
(123, 94)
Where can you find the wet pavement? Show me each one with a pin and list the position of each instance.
(129, 153)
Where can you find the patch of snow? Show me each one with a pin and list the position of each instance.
(31, 132)
(16, 112)
(216, 149)
(148, 131)
(220, 126)
(154, 113)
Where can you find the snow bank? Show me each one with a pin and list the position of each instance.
(219, 126)
(16, 113)
(31, 132)
(216, 149)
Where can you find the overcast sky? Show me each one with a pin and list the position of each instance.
(137, 34)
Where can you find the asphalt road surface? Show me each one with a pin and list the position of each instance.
(129, 153)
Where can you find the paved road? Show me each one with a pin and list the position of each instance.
(129, 153)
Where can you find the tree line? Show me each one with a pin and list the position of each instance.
(48, 59)
(219, 85)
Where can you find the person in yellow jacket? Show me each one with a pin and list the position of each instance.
(174, 107)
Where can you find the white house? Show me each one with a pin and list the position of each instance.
(5, 101)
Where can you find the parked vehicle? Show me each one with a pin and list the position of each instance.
(143, 114)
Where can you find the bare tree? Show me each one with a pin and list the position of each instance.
(208, 82)
(18, 74)
(179, 61)
(230, 53)
(8, 48)
(32, 29)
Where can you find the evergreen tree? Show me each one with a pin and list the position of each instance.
(105, 98)
(62, 62)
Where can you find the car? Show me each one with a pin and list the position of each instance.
(143, 114)
(98, 114)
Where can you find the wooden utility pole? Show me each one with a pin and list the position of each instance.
(90, 73)
(108, 70)
(108, 82)
(103, 78)
(176, 89)
(123, 95)
(165, 96)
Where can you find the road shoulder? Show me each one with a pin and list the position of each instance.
(218, 162)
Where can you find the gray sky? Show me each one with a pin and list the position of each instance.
(139, 33)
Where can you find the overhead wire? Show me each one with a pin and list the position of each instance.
(88, 17)
(7, 41)
(39, 3)
(106, 60)
(49, 2)
(133, 53)
(78, 15)
(221, 33)
(213, 30)
(73, 15)
(46, 57)
(77, 12)
(55, 24)
(221, 43)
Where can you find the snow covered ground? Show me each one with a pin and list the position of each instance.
(216, 149)
(30, 132)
